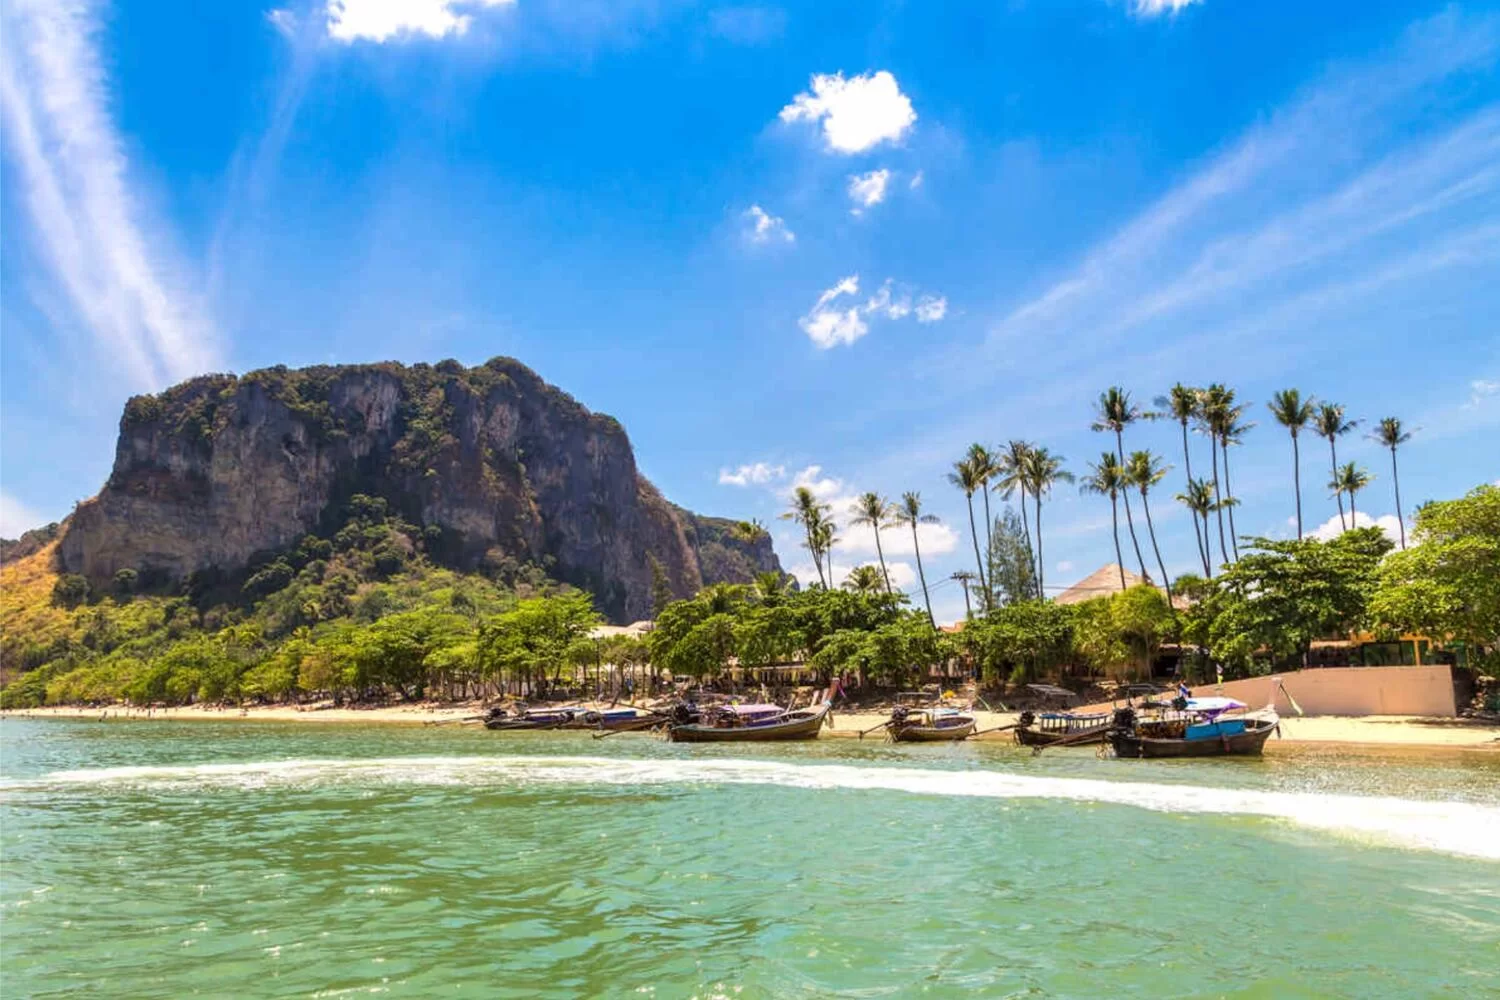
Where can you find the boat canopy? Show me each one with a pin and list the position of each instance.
(1213, 705)
(753, 709)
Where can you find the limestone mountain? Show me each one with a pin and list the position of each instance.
(499, 469)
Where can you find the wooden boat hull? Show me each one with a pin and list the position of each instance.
(802, 728)
(523, 725)
(1029, 737)
(1247, 744)
(932, 734)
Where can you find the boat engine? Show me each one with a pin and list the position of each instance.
(593, 718)
(1025, 719)
(899, 714)
(1124, 719)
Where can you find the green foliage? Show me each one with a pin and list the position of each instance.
(1012, 573)
(70, 590)
(1021, 641)
(534, 636)
(1448, 583)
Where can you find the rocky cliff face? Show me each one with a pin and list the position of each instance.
(496, 464)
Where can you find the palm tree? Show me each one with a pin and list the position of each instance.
(1114, 412)
(986, 468)
(909, 511)
(825, 532)
(1390, 434)
(1011, 472)
(966, 477)
(1329, 423)
(808, 511)
(873, 509)
(1349, 478)
(1293, 412)
(1184, 404)
(1218, 401)
(965, 580)
(1043, 471)
(1143, 471)
(1106, 478)
(770, 585)
(1199, 498)
(1231, 431)
(864, 580)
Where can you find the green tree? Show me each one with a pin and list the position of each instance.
(1043, 471)
(1199, 499)
(864, 580)
(1390, 434)
(1011, 479)
(1348, 479)
(810, 513)
(525, 641)
(1231, 432)
(1448, 583)
(1293, 412)
(70, 590)
(986, 468)
(909, 512)
(661, 587)
(1183, 404)
(1013, 574)
(1143, 619)
(1107, 478)
(1021, 642)
(1112, 414)
(1144, 470)
(1330, 424)
(966, 477)
(873, 509)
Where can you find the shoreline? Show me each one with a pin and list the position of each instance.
(1369, 731)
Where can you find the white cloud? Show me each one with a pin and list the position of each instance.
(283, 20)
(830, 323)
(112, 267)
(1065, 566)
(757, 474)
(916, 181)
(1480, 391)
(763, 227)
(1330, 528)
(823, 487)
(382, 20)
(931, 308)
(16, 518)
(858, 113)
(868, 190)
(1156, 8)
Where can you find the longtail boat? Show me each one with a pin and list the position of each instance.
(1054, 727)
(928, 725)
(751, 723)
(1195, 727)
(620, 720)
(501, 720)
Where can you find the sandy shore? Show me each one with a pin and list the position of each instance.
(1369, 730)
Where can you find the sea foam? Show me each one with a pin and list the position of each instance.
(1461, 828)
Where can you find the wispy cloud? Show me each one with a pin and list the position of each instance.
(763, 227)
(107, 257)
(831, 322)
(756, 474)
(1156, 8)
(16, 518)
(868, 190)
(857, 113)
(384, 20)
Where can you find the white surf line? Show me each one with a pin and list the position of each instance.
(1461, 828)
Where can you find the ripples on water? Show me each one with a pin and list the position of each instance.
(156, 859)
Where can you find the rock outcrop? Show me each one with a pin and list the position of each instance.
(497, 465)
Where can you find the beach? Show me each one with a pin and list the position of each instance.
(1374, 730)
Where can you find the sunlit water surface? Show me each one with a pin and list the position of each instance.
(170, 859)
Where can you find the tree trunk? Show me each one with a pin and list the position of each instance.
(1202, 539)
(1129, 521)
(1207, 549)
(1234, 534)
(1114, 516)
(1041, 591)
(1026, 527)
(1151, 528)
(973, 531)
(1395, 481)
(1333, 453)
(1296, 481)
(817, 558)
(1213, 444)
(1187, 462)
(917, 548)
(989, 545)
(881, 554)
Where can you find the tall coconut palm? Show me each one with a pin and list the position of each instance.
(966, 477)
(965, 581)
(826, 533)
(807, 510)
(1106, 478)
(1231, 432)
(986, 468)
(909, 511)
(1329, 423)
(864, 580)
(1390, 433)
(1113, 413)
(1293, 412)
(1043, 471)
(1144, 470)
(1010, 479)
(1199, 498)
(873, 509)
(1183, 404)
(1349, 479)
(1218, 400)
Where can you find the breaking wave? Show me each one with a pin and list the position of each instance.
(1460, 828)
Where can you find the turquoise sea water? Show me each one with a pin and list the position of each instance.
(172, 859)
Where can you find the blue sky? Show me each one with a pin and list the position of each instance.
(829, 244)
